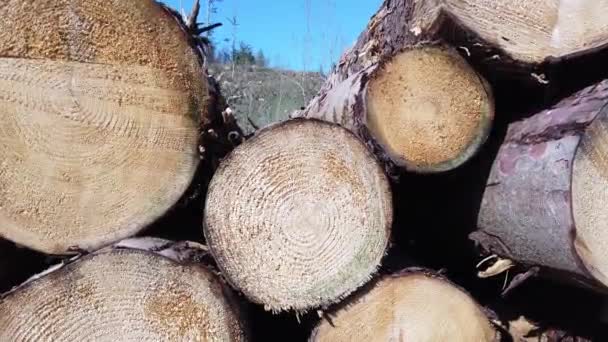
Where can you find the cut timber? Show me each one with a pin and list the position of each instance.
(414, 306)
(544, 204)
(425, 107)
(298, 216)
(428, 109)
(528, 31)
(120, 294)
(590, 197)
(100, 107)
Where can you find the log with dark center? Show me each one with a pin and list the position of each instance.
(124, 294)
(544, 205)
(101, 103)
(414, 306)
(299, 216)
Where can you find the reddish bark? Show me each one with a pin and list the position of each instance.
(526, 212)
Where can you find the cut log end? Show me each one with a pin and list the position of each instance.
(299, 216)
(589, 198)
(411, 307)
(531, 31)
(122, 295)
(99, 125)
(429, 109)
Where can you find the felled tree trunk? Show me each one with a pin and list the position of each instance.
(417, 104)
(544, 205)
(415, 305)
(299, 216)
(137, 290)
(102, 105)
(529, 32)
(423, 109)
(421, 305)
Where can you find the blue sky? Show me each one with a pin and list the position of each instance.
(294, 34)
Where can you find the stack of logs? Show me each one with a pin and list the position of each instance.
(452, 160)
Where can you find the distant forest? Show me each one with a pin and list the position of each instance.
(241, 55)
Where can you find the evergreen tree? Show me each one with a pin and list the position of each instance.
(244, 55)
(260, 59)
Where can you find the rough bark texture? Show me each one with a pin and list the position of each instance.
(342, 95)
(526, 212)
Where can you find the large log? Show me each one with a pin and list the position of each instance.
(125, 292)
(417, 104)
(418, 304)
(529, 32)
(414, 305)
(299, 216)
(544, 204)
(101, 103)
(423, 109)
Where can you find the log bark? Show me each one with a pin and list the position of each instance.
(102, 109)
(135, 290)
(298, 216)
(529, 209)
